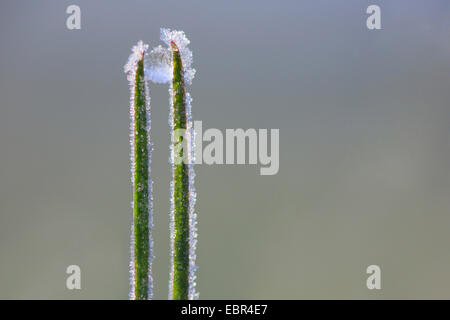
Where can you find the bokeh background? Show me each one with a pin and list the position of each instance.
(364, 147)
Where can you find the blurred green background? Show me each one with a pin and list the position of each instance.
(364, 147)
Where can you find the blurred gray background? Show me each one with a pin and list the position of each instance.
(364, 147)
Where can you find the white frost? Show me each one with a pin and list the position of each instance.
(190, 135)
(130, 67)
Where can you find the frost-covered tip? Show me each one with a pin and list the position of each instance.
(138, 52)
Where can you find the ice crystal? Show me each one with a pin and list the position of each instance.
(158, 65)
